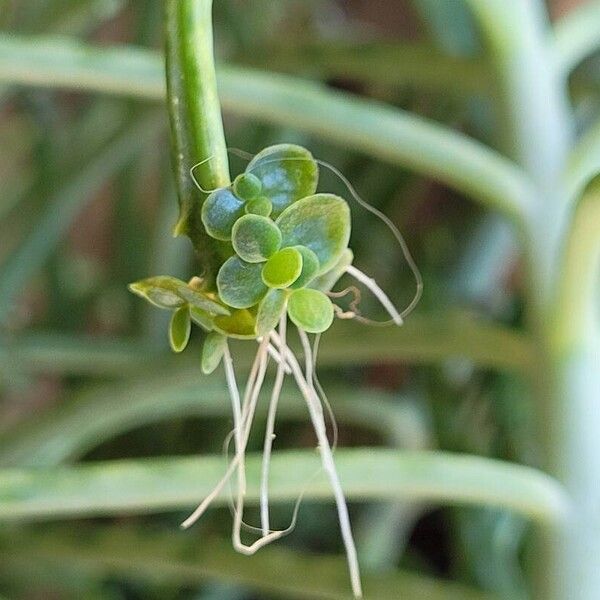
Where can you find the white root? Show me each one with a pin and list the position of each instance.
(316, 414)
(377, 291)
(251, 395)
(243, 417)
(270, 433)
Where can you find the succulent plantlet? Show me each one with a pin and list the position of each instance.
(286, 247)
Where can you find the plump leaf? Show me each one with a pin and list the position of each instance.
(283, 268)
(287, 172)
(310, 267)
(321, 223)
(179, 329)
(201, 318)
(220, 211)
(326, 281)
(240, 324)
(169, 292)
(212, 352)
(146, 486)
(240, 284)
(255, 238)
(310, 310)
(247, 186)
(259, 206)
(270, 310)
(160, 291)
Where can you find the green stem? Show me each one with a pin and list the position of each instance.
(195, 116)
(539, 129)
(576, 448)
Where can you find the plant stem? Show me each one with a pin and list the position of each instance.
(195, 116)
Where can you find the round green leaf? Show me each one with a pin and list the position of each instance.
(240, 324)
(270, 310)
(283, 268)
(212, 352)
(259, 206)
(179, 329)
(310, 310)
(255, 238)
(239, 283)
(310, 267)
(219, 213)
(247, 186)
(287, 173)
(321, 223)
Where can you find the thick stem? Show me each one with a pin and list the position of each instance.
(195, 117)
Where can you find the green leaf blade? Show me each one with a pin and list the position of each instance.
(321, 223)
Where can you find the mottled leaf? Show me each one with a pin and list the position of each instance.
(287, 172)
(240, 284)
(321, 223)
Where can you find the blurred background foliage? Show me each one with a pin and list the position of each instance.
(87, 206)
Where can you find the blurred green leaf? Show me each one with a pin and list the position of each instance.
(154, 485)
(388, 134)
(182, 559)
(161, 393)
(422, 339)
(64, 205)
(576, 36)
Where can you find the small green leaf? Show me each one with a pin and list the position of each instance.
(169, 292)
(259, 206)
(247, 186)
(310, 310)
(160, 291)
(179, 329)
(255, 238)
(219, 213)
(201, 318)
(240, 324)
(270, 310)
(287, 172)
(240, 284)
(326, 281)
(212, 352)
(321, 223)
(283, 268)
(310, 267)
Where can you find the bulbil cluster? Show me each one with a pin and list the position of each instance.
(283, 247)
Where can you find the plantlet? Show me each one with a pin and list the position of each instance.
(271, 268)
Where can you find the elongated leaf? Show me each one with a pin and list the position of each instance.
(576, 36)
(422, 339)
(180, 329)
(212, 352)
(150, 485)
(167, 392)
(385, 133)
(172, 557)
